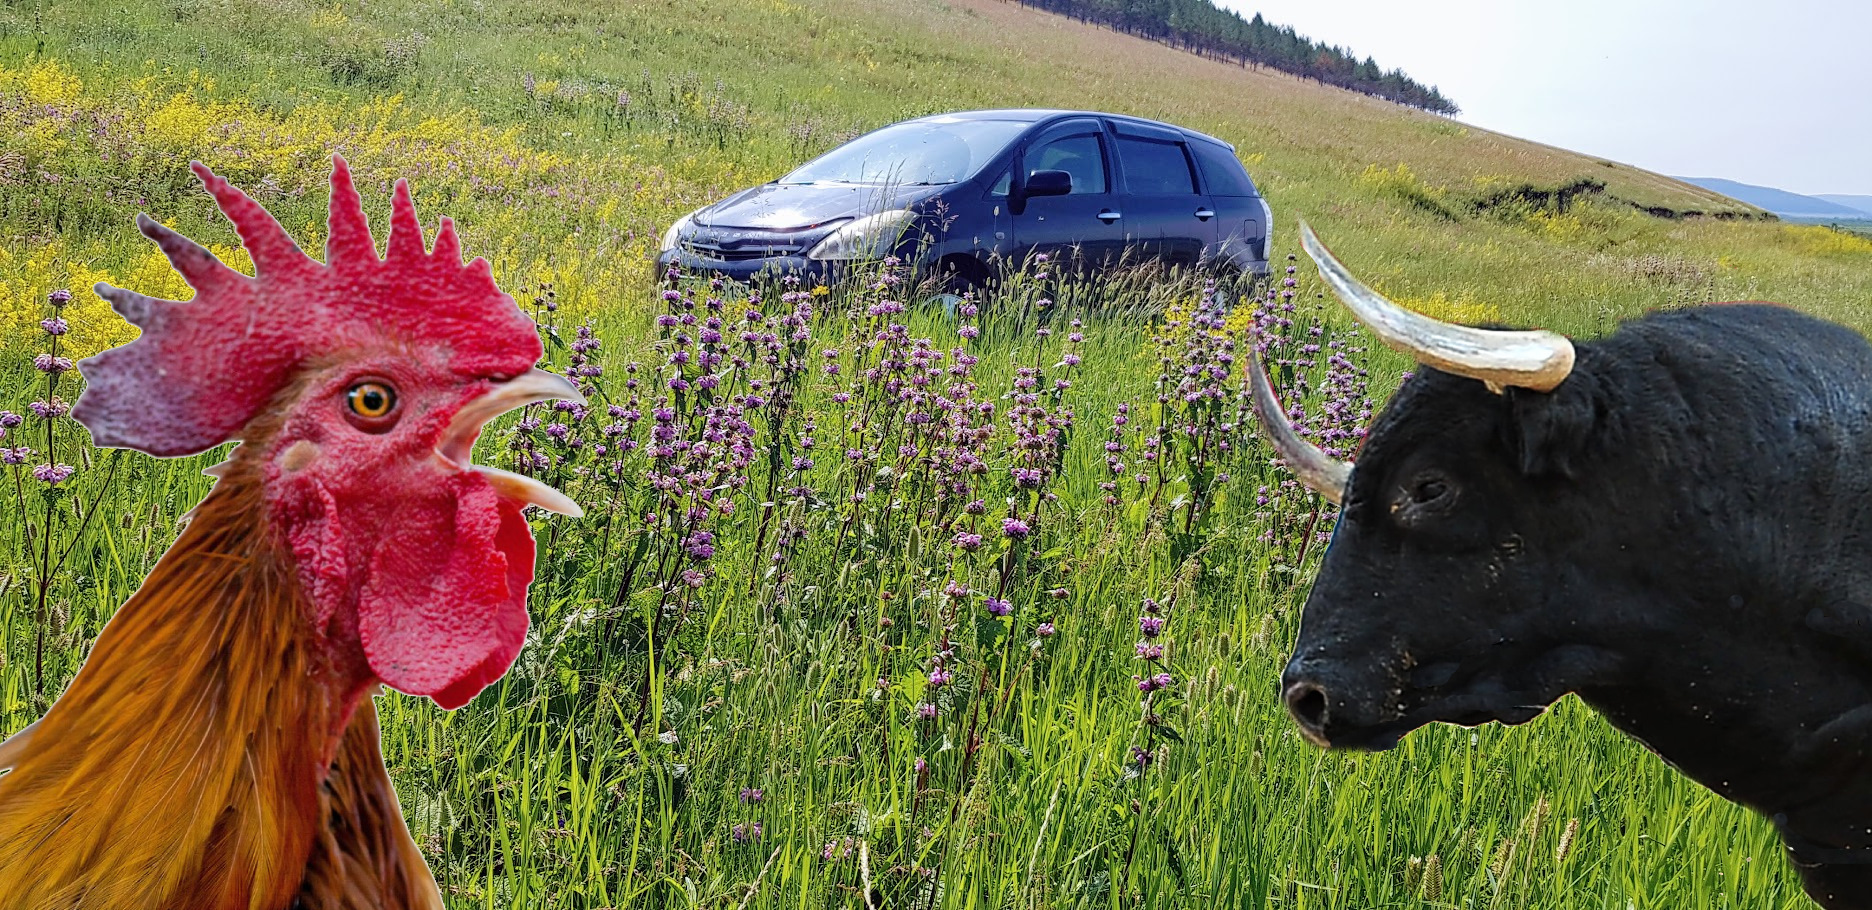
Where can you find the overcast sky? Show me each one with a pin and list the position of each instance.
(1771, 92)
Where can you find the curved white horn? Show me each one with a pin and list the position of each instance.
(1537, 360)
(1319, 471)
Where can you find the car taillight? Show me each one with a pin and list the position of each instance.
(1267, 232)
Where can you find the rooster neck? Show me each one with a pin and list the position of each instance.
(187, 757)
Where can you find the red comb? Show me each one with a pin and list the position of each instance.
(206, 367)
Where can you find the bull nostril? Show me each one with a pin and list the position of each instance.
(1307, 703)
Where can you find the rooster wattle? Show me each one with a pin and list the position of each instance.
(219, 748)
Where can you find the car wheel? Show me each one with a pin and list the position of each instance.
(1231, 282)
(954, 278)
(961, 274)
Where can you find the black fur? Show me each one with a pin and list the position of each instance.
(1681, 532)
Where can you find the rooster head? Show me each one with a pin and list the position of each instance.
(357, 387)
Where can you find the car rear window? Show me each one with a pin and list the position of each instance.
(1154, 168)
(1221, 171)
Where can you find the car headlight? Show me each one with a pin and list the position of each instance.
(870, 237)
(675, 231)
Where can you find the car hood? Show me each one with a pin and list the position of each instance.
(775, 207)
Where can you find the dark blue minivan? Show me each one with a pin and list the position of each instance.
(962, 195)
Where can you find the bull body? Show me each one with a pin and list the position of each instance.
(1680, 532)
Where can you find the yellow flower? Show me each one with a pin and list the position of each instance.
(1461, 309)
(179, 126)
(50, 83)
(821, 291)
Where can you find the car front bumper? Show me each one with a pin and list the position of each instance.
(751, 271)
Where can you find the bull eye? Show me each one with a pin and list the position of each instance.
(371, 405)
(1428, 490)
(1428, 494)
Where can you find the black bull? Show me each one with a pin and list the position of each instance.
(1680, 532)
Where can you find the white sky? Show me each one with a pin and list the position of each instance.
(1771, 92)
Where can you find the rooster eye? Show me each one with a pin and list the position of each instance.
(372, 401)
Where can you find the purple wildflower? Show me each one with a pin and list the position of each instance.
(53, 474)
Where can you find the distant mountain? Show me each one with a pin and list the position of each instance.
(1862, 203)
(1782, 202)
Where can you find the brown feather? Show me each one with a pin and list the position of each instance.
(365, 858)
(187, 764)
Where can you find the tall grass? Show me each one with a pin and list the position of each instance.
(791, 674)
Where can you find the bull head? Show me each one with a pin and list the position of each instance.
(1438, 481)
(1674, 530)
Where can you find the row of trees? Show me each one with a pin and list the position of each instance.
(1201, 27)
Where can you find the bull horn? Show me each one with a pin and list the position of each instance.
(1537, 360)
(1320, 472)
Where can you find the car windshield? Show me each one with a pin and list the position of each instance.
(918, 153)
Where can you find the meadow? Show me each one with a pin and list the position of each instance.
(872, 606)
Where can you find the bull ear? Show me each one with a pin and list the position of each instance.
(1551, 432)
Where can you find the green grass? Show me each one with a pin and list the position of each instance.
(510, 117)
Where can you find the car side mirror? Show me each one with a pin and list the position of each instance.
(1049, 183)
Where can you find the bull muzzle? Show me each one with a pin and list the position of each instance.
(1310, 707)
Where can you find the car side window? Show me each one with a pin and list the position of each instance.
(1078, 155)
(1153, 168)
(1003, 185)
(1222, 171)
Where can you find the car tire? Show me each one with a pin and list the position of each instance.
(1231, 281)
(959, 275)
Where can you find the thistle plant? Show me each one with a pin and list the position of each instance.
(1157, 694)
(1317, 369)
(63, 512)
(1197, 422)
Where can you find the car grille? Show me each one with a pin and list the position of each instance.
(746, 251)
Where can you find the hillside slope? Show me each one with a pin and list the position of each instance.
(623, 116)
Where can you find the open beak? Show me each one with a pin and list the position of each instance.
(457, 443)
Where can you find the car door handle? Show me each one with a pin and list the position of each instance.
(1108, 216)
(1204, 214)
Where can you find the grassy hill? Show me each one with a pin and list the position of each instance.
(563, 136)
(667, 105)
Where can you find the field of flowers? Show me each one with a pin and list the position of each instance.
(873, 604)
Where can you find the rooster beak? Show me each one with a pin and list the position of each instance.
(458, 440)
